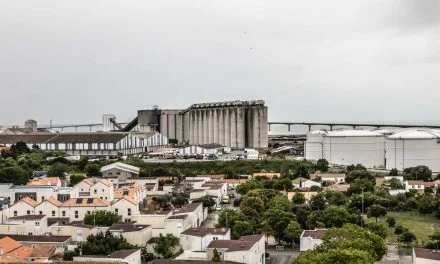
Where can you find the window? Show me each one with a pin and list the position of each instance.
(102, 190)
(116, 210)
(28, 212)
(63, 213)
(129, 211)
(15, 213)
(215, 238)
(118, 173)
(95, 191)
(30, 234)
(88, 212)
(76, 214)
(42, 198)
(53, 213)
(41, 212)
(37, 223)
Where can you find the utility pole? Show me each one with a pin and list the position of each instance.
(362, 212)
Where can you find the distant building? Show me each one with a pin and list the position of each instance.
(247, 249)
(121, 171)
(309, 239)
(129, 256)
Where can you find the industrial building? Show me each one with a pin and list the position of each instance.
(236, 124)
(411, 148)
(347, 147)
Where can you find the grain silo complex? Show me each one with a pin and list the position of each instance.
(236, 124)
(348, 147)
(411, 148)
(314, 146)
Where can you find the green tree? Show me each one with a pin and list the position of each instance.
(102, 244)
(275, 222)
(318, 202)
(376, 211)
(399, 229)
(335, 256)
(354, 237)
(322, 165)
(358, 184)
(252, 207)
(242, 228)
(335, 198)
(331, 216)
(395, 184)
(58, 169)
(249, 185)
(165, 245)
(406, 237)
(417, 173)
(302, 171)
(282, 184)
(75, 179)
(292, 232)
(216, 256)
(436, 237)
(393, 172)
(426, 204)
(359, 174)
(93, 169)
(378, 229)
(298, 198)
(101, 218)
(280, 202)
(14, 174)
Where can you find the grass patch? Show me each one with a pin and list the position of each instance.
(422, 226)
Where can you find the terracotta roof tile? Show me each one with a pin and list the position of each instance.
(42, 251)
(8, 244)
(85, 202)
(29, 201)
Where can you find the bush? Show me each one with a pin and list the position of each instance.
(237, 202)
(101, 218)
(399, 230)
(391, 221)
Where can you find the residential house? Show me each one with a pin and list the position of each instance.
(45, 181)
(247, 249)
(307, 195)
(197, 239)
(309, 239)
(425, 256)
(25, 206)
(303, 183)
(419, 186)
(96, 188)
(129, 256)
(51, 208)
(41, 254)
(77, 208)
(59, 242)
(125, 207)
(77, 230)
(13, 251)
(134, 233)
(135, 191)
(29, 224)
(38, 193)
(329, 178)
(120, 170)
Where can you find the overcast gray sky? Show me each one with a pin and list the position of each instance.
(72, 61)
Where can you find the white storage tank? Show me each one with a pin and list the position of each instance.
(313, 146)
(413, 147)
(349, 147)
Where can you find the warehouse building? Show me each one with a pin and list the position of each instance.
(347, 147)
(90, 143)
(414, 147)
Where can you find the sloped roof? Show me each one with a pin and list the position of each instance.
(42, 251)
(85, 202)
(53, 181)
(353, 133)
(79, 137)
(126, 198)
(8, 244)
(201, 232)
(121, 166)
(27, 217)
(316, 234)
(29, 201)
(243, 244)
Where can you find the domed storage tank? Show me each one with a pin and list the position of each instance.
(313, 146)
(414, 147)
(349, 147)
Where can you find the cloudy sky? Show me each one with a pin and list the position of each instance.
(72, 61)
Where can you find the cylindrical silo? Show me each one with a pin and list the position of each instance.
(200, 125)
(210, 126)
(215, 126)
(227, 122)
(349, 147)
(164, 125)
(191, 128)
(413, 147)
(233, 114)
(221, 127)
(241, 127)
